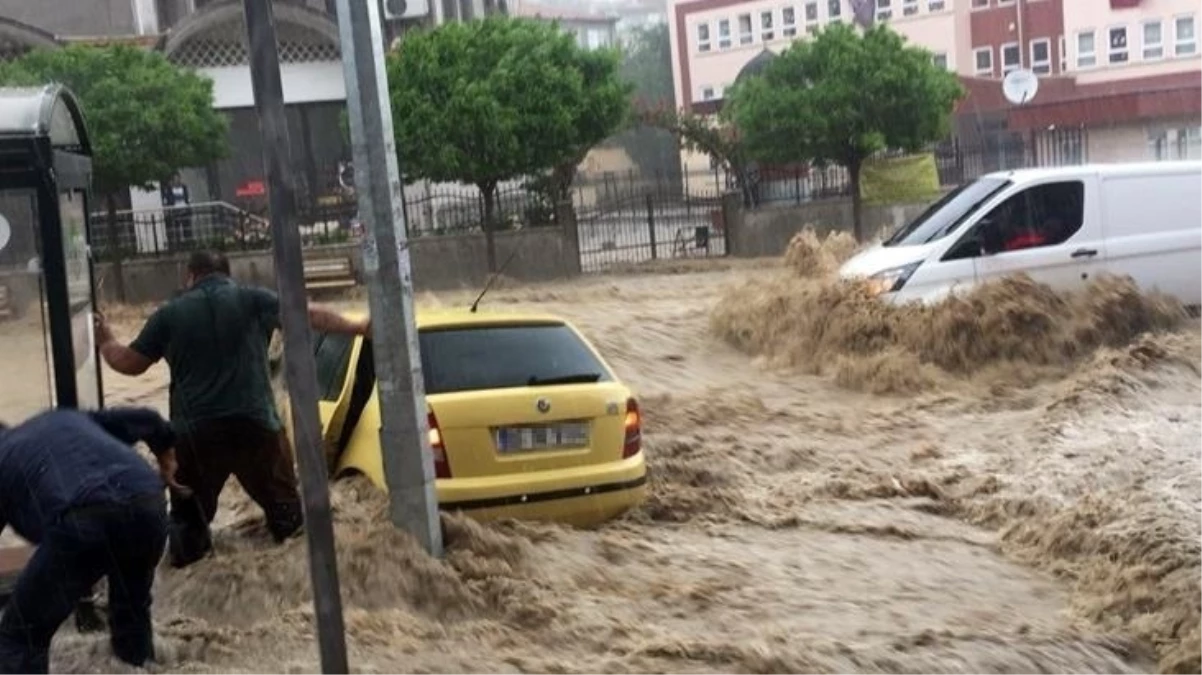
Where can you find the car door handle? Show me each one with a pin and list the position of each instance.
(1085, 253)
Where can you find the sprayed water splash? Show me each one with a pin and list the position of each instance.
(1014, 329)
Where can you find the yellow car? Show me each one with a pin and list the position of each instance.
(526, 420)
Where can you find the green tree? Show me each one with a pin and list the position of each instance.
(146, 117)
(601, 111)
(842, 96)
(486, 101)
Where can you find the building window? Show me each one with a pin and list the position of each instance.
(940, 60)
(811, 12)
(707, 93)
(1153, 40)
(703, 37)
(980, 4)
(724, 34)
(1118, 45)
(983, 61)
(767, 34)
(812, 29)
(1041, 56)
(1172, 144)
(909, 7)
(1011, 57)
(1003, 3)
(745, 35)
(936, 5)
(884, 10)
(1087, 50)
(788, 22)
(1185, 36)
(834, 9)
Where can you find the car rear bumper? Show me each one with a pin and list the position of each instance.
(578, 496)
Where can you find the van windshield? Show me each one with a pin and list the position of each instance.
(945, 215)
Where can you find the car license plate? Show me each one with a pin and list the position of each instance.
(542, 437)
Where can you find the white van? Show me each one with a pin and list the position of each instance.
(1061, 226)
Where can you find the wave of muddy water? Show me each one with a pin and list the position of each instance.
(793, 526)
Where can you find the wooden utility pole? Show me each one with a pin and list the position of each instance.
(300, 371)
(408, 462)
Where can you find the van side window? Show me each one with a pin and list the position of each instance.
(1043, 215)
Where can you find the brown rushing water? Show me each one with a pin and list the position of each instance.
(1047, 523)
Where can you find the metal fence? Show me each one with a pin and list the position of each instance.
(622, 217)
(956, 162)
(210, 225)
(633, 219)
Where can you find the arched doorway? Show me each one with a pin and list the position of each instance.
(213, 42)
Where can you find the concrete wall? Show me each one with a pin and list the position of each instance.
(766, 231)
(439, 263)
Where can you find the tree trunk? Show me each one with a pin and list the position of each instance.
(562, 177)
(857, 206)
(110, 202)
(489, 192)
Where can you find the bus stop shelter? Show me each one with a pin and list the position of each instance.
(48, 356)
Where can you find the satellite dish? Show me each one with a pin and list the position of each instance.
(1020, 86)
(6, 232)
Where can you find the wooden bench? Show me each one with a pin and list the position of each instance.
(326, 274)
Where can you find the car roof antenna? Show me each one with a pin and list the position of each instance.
(493, 278)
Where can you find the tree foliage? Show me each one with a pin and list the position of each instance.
(486, 101)
(146, 117)
(842, 96)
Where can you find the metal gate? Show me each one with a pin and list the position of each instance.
(641, 223)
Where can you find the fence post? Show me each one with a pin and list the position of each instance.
(797, 183)
(651, 224)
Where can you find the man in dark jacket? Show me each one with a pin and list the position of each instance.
(71, 484)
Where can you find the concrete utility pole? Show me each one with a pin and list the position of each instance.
(301, 373)
(408, 463)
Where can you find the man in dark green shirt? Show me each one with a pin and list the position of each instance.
(214, 337)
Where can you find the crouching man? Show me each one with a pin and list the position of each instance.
(71, 484)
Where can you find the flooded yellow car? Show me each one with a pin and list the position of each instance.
(525, 418)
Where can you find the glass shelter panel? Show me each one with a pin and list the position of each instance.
(24, 326)
(79, 295)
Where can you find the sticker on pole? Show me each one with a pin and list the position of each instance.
(1020, 86)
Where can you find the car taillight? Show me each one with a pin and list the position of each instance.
(634, 430)
(442, 469)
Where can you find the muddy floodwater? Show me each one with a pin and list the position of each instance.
(801, 518)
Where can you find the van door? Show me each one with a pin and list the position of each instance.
(1049, 231)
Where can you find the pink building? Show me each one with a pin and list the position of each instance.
(1124, 75)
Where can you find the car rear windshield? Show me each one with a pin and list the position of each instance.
(945, 215)
(501, 357)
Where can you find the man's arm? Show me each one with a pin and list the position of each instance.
(321, 318)
(326, 320)
(129, 360)
(131, 425)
